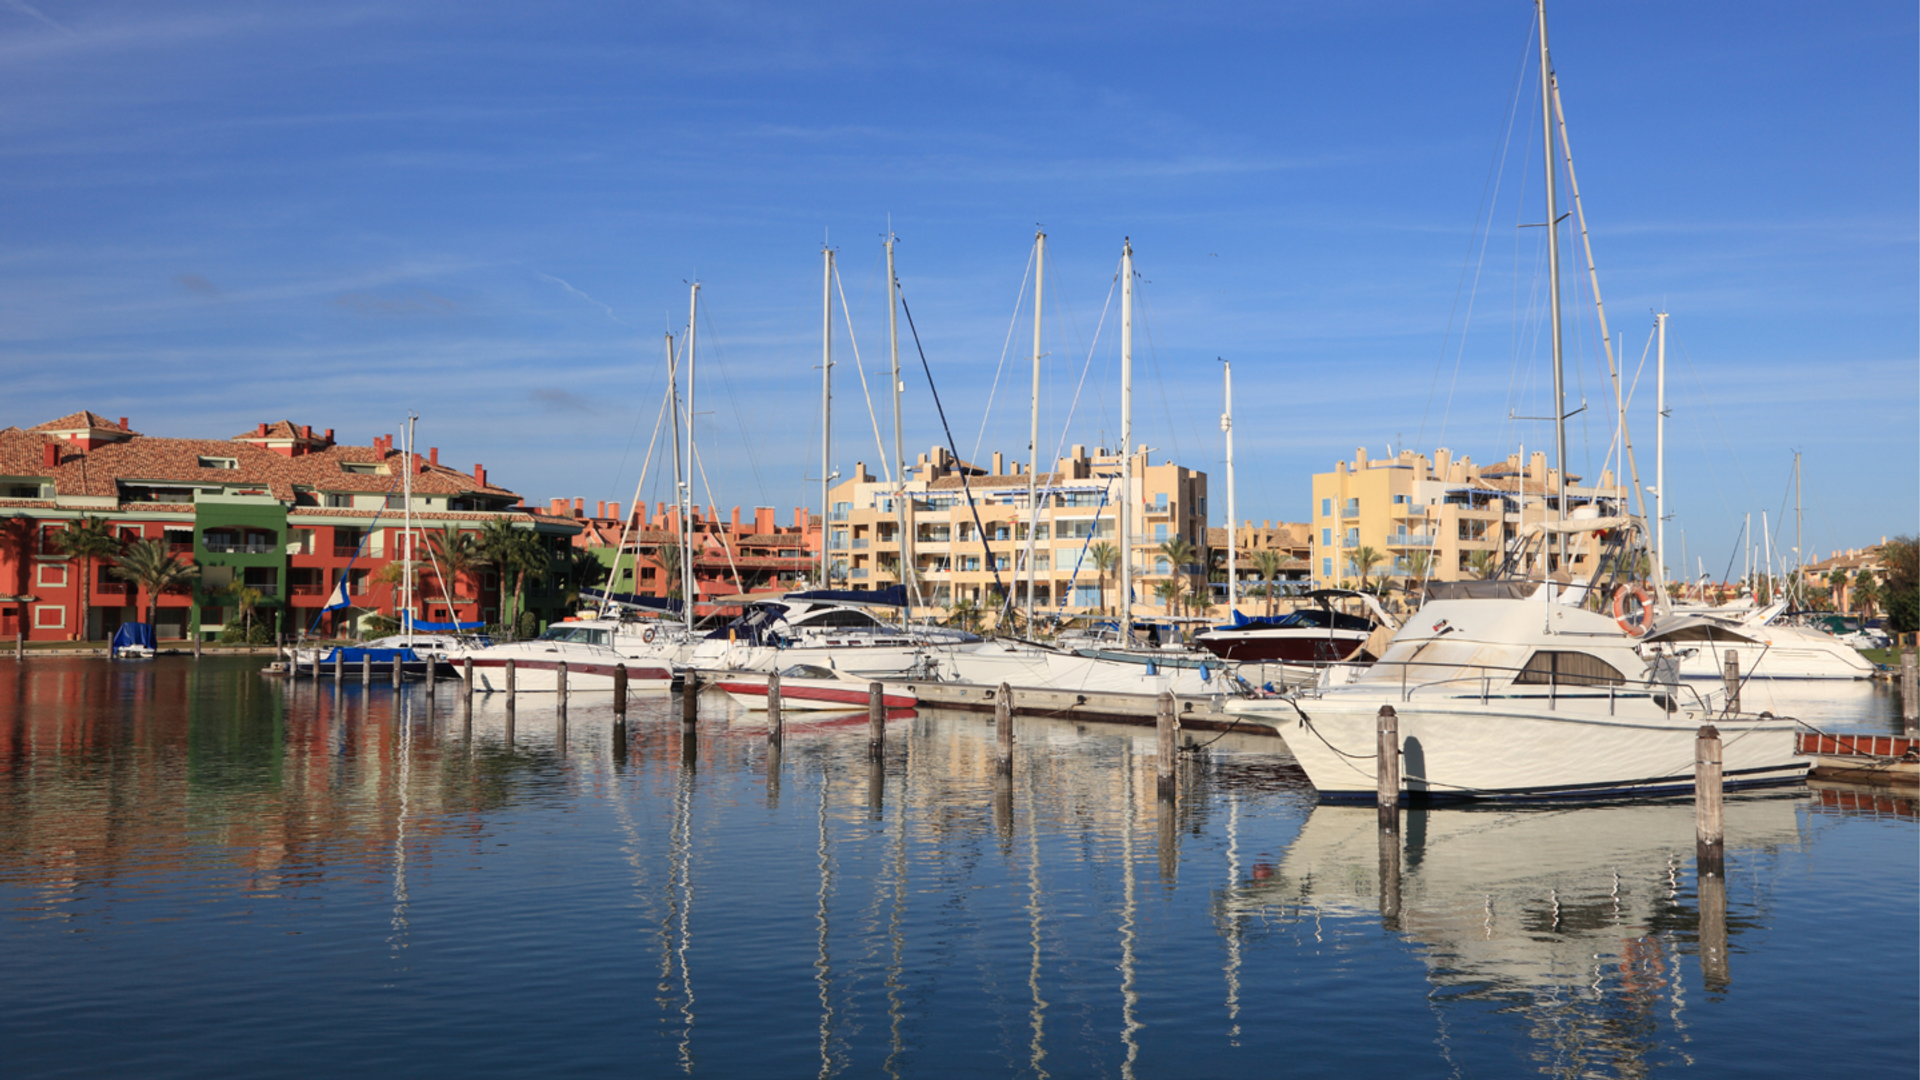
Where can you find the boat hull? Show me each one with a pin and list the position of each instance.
(1463, 750)
(1281, 646)
(813, 694)
(542, 676)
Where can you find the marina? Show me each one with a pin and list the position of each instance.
(288, 877)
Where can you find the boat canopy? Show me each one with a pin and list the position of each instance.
(135, 635)
(407, 620)
(891, 596)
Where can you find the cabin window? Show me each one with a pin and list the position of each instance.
(1555, 667)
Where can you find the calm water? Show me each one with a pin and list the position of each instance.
(207, 872)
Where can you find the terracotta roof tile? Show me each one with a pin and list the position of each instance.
(81, 419)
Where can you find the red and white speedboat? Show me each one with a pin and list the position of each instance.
(809, 686)
(1315, 635)
(586, 650)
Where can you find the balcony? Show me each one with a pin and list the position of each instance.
(1350, 510)
(112, 588)
(345, 552)
(307, 590)
(860, 543)
(1409, 540)
(859, 573)
(234, 547)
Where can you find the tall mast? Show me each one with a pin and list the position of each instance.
(907, 575)
(826, 405)
(1799, 557)
(1233, 546)
(1660, 459)
(1126, 441)
(679, 481)
(1033, 436)
(1553, 271)
(688, 593)
(406, 487)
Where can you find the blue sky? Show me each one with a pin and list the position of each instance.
(218, 214)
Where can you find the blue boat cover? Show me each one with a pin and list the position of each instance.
(136, 634)
(891, 596)
(658, 603)
(407, 619)
(351, 654)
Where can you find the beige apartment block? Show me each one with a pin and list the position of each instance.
(1435, 518)
(956, 559)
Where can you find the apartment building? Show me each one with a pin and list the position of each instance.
(732, 556)
(963, 550)
(280, 509)
(1290, 541)
(1446, 518)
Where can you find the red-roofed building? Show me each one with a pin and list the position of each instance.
(281, 509)
(731, 556)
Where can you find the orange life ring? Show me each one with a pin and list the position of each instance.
(647, 635)
(1634, 626)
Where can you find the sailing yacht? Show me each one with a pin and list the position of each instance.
(1515, 688)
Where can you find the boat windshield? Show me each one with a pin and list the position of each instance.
(807, 671)
(583, 635)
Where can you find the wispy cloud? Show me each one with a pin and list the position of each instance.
(563, 283)
(194, 283)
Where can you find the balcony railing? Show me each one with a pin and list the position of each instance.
(1350, 510)
(241, 548)
(307, 590)
(112, 588)
(264, 590)
(860, 543)
(859, 573)
(340, 552)
(1409, 540)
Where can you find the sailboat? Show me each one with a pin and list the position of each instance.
(1513, 688)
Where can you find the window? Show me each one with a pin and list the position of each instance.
(1326, 568)
(360, 468)
(1555, 667)
(1160, 532)
(1353, 537)
(1160, 500)
(1326, 507)
(1326, 537)
(52, 576)
(1162, 566)
(1399, 500)
(49, 617)
(337, 500)
(219, 463)
(25, 491)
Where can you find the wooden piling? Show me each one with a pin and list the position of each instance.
(876, 788)
(20, 646)
(619, 692)
(1002, 730)
(1732, 676)
(466, 681)
(339, 667)
(1708, 819)
(773, 706)
(1714, 973)
(690, 702)
(511, 692)
(366, 668)
(1390, 878)
(876, 720)
(1910, 691)
(560, 687)
(1167, 744)
(196, 643)
(1387, 768)
(397, 673)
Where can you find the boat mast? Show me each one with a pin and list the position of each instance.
(1033, 436)
(907, 570)
(679, 481)
(1233, 546)
(1126, 441)
(826, 404)
(411, 549)
(687, 597)
(1660, 458)
(1553, 274)
(1799, 559)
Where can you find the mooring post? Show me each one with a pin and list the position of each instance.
(1389, 879)
(1167, 743)
(1709, 826)
(339, 667)
(20, 646)
(397, 674)
(1732, 676)
(1003, 730)
(876, 720)
(774, 718)
(560, 691)
(366, 668)
(196, 643)
(1714, 974)
(1910, 691)
(876, 788)
(1387, 768)
(466, 680)
(690, 702)
(512, 688)
(619, 693)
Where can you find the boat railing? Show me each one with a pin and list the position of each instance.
(1488, 677)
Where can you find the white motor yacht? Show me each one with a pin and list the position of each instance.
(1525, 695)
(810, 628)
(1764, 649)
(585, 649)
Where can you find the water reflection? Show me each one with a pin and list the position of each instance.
(803, 907)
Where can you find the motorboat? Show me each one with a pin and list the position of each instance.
(132, 641)
(814, 688)
(1321, 634)
(1034, 666)
(586, 650)
(1762, 649)
(831, 629)
(1518, 694)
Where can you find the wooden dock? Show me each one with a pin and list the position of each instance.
(1194, 713)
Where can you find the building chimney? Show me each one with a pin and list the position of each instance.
(557, 507)
(999, 462)
(613, 510)
(262, 433)
(579, 507)
(306, 430)
(50, 454)
(763, 521)
(736, 520)
(600, 508)
(329, 435)
(480, 475)
(125, 424)
(433, 454)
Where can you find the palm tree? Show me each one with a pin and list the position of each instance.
(515, 554)
(1418, 563)
(1837, 582)
(1866, 591)
(1481, 563)
(1105, 558)
(1364, 559)
(1179, 555)
(149, 565)
(456, 552)
(1267, 561)
(245, 597)
(88, 539)
(1169, 591)
(669, 556)
(964, 613)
